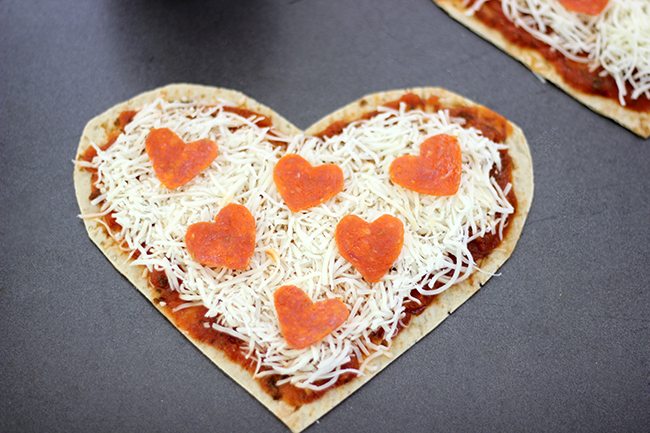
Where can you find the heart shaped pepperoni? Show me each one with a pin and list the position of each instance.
(588, 7)
(303, 322)
(302, 185)
(371, 248)
(175, 162)
(436, 171)
(229, 241)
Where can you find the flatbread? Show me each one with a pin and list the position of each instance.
(635, 121)
(300, 418)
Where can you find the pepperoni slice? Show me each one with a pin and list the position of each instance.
(176, 162)
(371, 248)
(302, 185)
(229, 241)
(436, 171)
(588, 7)
(303, 322)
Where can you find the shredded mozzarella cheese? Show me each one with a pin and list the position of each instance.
(299, 248)
(618, 40)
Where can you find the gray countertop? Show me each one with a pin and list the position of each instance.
(559, 342)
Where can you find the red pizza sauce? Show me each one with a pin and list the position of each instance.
(193, 322)
(576, 74)
(262, 121)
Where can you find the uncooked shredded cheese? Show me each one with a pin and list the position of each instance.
(299, 248)
(618, 40)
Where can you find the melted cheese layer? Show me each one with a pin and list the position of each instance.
(299, 248)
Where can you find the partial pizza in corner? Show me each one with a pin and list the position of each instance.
(302, 263)
(598, 51)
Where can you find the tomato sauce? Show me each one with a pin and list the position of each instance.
(575, 73)
(192, 320)
(491, 124)
(262, 121)
(335, 128)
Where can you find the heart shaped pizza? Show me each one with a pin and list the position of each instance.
(303, 262)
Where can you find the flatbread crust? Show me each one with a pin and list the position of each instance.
(635, 121)
(300, 418)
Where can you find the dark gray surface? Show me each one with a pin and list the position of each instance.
(559, 342)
